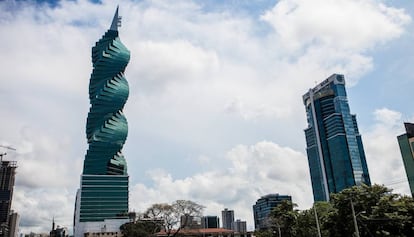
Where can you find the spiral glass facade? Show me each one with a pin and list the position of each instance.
(103, 194)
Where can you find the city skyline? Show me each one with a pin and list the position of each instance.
(215, 96)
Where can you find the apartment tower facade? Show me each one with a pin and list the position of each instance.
(334, 147)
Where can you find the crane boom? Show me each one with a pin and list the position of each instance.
(3, 154)
(8, 147)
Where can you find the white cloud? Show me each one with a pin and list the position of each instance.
(172, 62)
(382, 151)
(255, 171)
(388, 118)
(200, 81)
(346, 24)
(335, 35)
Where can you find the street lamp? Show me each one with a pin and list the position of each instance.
(317, 220)
(355, 221)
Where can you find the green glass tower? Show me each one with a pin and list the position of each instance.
(406, 142)
(103, 195)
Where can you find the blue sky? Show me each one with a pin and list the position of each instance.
(215, 110)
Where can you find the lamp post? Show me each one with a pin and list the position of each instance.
(317, 220)
(355, 221)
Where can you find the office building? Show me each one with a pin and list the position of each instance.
(14, 221)
(240, 226)
(333, 144)
(227, 217)
(406, 142)
(264, 206)
(210, 222)
(190, 222)
(7, 177)
(102, 200)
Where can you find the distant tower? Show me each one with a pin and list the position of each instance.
(14, 220)
(7, 175)
(240, 226)
(210, 222)
(264, 206)
(334, 146)
(406, 142)
(102, 200)
(227, 217)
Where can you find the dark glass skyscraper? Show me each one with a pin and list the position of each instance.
(102, 201)
(264, 206)
(406, 142)
(210, 222)
(333, 144)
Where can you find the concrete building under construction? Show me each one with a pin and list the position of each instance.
(7, 175)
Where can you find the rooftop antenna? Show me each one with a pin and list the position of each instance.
(116, 21)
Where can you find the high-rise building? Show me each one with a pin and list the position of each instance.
(240, 226)
(210, 222)
(7, 176)
(264, 206)
(227, 217)
(14, 221)
(190, 222)
(102, 200)
(406, 142)
(334, 147)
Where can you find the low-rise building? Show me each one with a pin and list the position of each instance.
(210, 222)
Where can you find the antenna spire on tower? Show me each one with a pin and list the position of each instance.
(116, 21)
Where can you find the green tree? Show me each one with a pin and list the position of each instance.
(378, 212)
(141, 228)
(283, 219)
(264, 233)
(306, 221)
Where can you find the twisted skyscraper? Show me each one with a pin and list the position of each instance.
(102, 200)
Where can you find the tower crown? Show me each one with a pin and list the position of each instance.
(116, 21)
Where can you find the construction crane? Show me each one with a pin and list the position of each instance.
(5, 153)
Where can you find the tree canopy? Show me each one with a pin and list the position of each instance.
(170, 218)
(378, 212)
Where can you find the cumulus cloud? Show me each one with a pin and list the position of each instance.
(205, 87)
(382, 150)
(351, 25)
(255, 170)
(338, 33)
